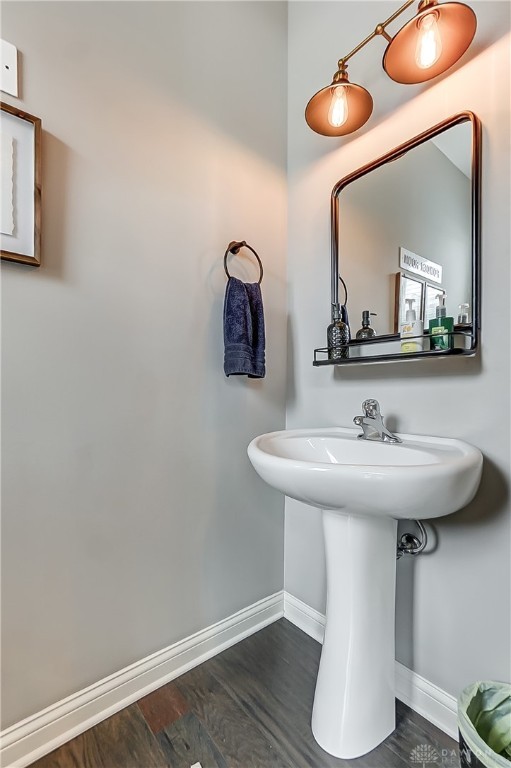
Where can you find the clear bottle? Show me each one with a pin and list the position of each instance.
(366, 332)
(338, 336)
(464, 314)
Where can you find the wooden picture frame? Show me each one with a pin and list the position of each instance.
(20, 220)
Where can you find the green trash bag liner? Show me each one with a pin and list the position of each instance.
(484, 717)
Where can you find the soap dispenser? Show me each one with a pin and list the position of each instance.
(366, 332)
(412, 329)
(338, 335)
(441, 327)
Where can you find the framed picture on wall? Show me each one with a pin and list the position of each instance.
(20, 178)
(408, 287)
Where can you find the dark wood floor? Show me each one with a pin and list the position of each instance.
(249, 707)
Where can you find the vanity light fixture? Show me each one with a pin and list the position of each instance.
(427, 45)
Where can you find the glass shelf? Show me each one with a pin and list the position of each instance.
(385, 348)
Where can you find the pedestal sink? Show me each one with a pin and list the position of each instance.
(363, 488)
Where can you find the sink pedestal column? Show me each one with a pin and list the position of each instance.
(354, 705)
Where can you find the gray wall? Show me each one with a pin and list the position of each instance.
(131, 516)
(453, 606)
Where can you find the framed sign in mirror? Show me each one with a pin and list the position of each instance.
(20, 178)
(407, 227)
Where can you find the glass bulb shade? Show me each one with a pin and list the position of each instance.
(422, 50)
(339, 109)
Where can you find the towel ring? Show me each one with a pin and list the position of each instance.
(235, 248)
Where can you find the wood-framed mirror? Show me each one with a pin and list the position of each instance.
(407, 226)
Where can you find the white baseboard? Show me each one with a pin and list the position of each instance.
(304, 617)
(30, 739)
(425, 698)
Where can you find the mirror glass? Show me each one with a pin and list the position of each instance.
(405, 232)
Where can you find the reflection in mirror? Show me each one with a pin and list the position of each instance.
(405, 231)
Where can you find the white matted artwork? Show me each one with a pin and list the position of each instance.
(408, 287)
(7, 183)
(20, 186)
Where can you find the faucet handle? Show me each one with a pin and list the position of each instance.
(371, 408)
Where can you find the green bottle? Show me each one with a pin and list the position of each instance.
(441, 326)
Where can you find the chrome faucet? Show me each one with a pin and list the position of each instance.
(372, 424)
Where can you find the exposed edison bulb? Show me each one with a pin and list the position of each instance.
(429, 42)
(338, 112)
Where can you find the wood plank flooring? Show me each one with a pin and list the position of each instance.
(249, 707)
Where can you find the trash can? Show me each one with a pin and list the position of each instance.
(484, 722)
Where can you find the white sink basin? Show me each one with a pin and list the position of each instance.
(363, 488)
(420, 478)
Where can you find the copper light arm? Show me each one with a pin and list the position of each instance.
(379, 30)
